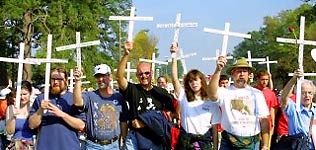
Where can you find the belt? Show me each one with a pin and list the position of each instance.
(106, 142)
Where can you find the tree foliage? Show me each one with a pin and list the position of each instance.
(263, 43)
(30, 21)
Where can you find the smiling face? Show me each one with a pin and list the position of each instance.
(144, 74)
(103, 80)
(195, 85)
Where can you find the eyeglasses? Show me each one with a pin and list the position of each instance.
(143, 73)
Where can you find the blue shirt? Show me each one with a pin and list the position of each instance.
(22, 130)
(299, 121)
(104, 115)
(54, 132)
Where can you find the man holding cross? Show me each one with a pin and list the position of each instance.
(57, 119)
(244, 110)
(106, 111)
(142, 97)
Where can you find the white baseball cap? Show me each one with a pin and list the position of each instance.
(102, 69)
(4, 92)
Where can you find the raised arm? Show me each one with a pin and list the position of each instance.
(10, 119)
(121, 80)
(288, 89)
(174, 66)
(35, 120)
(213, 84)
(78, 101)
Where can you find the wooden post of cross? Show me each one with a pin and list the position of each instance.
(21, 61)
(177, 25)
(153, 61)
(216, 57)
(268, 62)
(182, 57)
(78, 46)
(71, 80)
(131, 18)
(128, 71)
(226, 34)
(301, 41)
(48, 62)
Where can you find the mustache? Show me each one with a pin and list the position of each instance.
(241, 81)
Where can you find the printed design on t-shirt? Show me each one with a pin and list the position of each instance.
(108, 118)
(242, 110)
(149, 106)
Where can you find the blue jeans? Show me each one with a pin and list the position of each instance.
(225, 145)
(131, 142)
(89, 145)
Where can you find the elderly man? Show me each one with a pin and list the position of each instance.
(244, 110)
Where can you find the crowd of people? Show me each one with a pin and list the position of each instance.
(194, 115)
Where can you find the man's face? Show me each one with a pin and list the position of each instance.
(223, 83)
(307, 95)
(103, 80)
(144, 74)
(58, 82)
(162, 83)
(263, 80)
(240, 75)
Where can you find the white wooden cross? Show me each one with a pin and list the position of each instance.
(78, 46)
(177, 25)
(301, 41)
(131, 18)
(128, 71)
(153, 61)
(182, 57)
(216, 56)
(268, 62)
(226, 33)
(21, 61)
(48, 62)
(71, 80)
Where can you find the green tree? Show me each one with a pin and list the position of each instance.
(30, 21)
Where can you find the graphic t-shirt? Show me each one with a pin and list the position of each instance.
(140, 100)
(198, 116)
(104, 115)
(241, 110)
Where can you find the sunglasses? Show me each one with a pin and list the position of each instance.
(144, 73)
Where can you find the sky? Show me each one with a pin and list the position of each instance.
(243, 15)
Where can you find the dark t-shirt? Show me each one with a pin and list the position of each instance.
(54, 132)
(104, 115)
(140, 100)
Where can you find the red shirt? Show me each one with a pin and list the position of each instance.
(3, 108)
(271, 100)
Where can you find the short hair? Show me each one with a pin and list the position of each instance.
(60, 70)
(223, 77)
(306, 82)
(263, 73)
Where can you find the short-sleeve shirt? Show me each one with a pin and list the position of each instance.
(198, 116)
(140, 100)
(241, 109)
(54, 132)
(299, 121)
(104, 114)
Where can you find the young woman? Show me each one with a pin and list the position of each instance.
(199, 117)
(17, 119)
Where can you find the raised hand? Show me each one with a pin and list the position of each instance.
(174, 48)
(77, 74)
(128, 46)
(221, 62)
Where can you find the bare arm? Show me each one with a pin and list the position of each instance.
(74, 122)
(78, 101)
(264, 123)
(10, 120)
(124, 128)
(121, 80)
(213, 84)
(35, 120)
(215, 136)
(174, 66)
(288, 89)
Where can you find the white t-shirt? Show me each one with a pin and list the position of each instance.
(198, 116)
(241, 109)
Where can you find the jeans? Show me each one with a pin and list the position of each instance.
(89, 145)
(131, 142)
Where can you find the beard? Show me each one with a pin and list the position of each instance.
(241, 81)
(57, 89)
